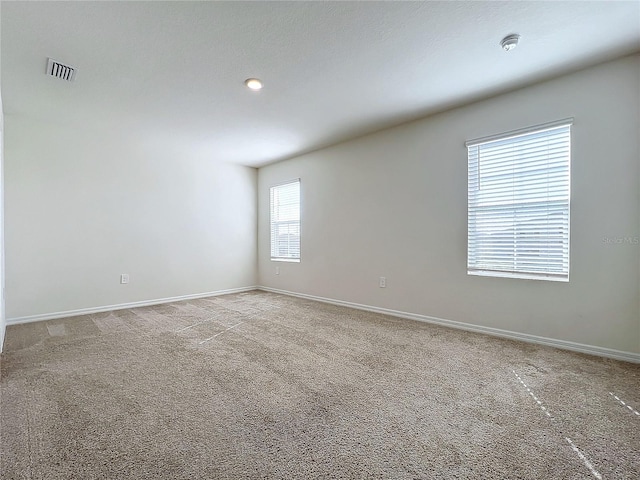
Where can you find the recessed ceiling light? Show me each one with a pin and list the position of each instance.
(253, 83)
(510, 42)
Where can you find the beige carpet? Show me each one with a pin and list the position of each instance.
(263, 386)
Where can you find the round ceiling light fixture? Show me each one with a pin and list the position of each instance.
(253, 84)
(510, 42)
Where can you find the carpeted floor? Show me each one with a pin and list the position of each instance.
(263, 386)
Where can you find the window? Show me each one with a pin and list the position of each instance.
(518, 211)
(285, 222)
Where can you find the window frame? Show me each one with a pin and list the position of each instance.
(479, 265)
(275, 223)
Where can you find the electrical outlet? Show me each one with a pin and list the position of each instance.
(277, 270)
(383, 282)
(124, 278)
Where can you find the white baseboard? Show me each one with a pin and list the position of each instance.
(120, 306)
(524, 337)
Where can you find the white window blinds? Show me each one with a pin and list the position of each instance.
(518, 211)
(285, 221)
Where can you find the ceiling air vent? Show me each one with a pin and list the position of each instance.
(58, 70)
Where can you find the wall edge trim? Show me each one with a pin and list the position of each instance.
(121, 306)
(496, 332)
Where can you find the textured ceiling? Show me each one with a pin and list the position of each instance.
(172, 73)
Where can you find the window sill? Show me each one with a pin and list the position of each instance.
(521, 276)
(290, 260)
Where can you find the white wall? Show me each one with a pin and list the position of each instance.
(84, 205)
(393, 204)
(3, 320)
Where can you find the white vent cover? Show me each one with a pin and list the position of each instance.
(58, 70)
